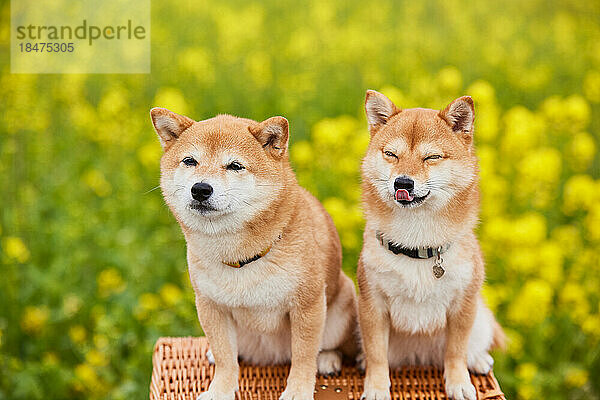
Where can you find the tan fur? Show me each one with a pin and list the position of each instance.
(406, 315)
(274, 308)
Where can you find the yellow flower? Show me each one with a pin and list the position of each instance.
(172, 99)
(574, 300)
(302, 154)
(359, 145)
(490, 294)
(450, 79)
(494, 196)
(532, 304)
(527, 371)
(487, 161)
(568, 238)
(258, 67)
(396, 96)
(110, 282)
(50, 358)
(578, 110)
(576, 377)
(543, 164)
(96, 358)
(581, 151)
(482, 92)
(567, 115)
(592, 223)
(550, 262)
(114, 102)
(539, 176)
(591, 326)
(34, 319)
(591, 86)
(149, 301)
(330, 132)
(523, 261)
(96, 181)
(497, 229)
(82, 116)
(527, 391)
(87, 376)
(523, 132)
(514, 342)
(15, 249)
(149, 154)
(528, 230)
(78, 334)
(486, 123)
(170, 294)
(197, 61)
(347, 219)
(579, 193)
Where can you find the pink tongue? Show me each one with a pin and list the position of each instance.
(402, 194)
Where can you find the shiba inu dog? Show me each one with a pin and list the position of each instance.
(421, 268)
(264, 256)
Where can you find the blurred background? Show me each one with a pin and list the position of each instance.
(93, 265)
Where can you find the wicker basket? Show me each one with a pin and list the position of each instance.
(181, 371)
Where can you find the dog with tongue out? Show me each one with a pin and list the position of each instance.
(421, 269)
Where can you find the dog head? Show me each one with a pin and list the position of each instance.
(419, 158)
(218, 174)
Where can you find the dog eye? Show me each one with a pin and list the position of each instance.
(432, 157)
(390, 154)
(235, 166)
(189, 161)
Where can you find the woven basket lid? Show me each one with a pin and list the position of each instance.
(181, 371)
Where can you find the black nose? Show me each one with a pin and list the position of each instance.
(403, 182)
(201, 191)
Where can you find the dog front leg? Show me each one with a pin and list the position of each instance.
(307, 322)
(218, 326)
(375, 332)
(458, 330)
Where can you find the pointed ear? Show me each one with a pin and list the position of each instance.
(168, 125)
(379, 109)
(460, 114)
(273, 135)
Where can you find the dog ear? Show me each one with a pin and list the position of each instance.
(379, 109)
(273, 135)
(460, 114)
(168, 125)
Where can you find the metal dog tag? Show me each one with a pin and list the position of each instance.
(438, 270)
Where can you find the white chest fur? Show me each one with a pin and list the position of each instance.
(258, 294)
(260, 284)
(417, 301)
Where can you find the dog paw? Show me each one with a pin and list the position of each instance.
(210, 357)
(481, 363)
(376, 392)
(292, 393)
(461, 391)
(214, 395)
(329, 362)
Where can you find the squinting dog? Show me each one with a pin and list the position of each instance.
(421, 268)
(264, 256)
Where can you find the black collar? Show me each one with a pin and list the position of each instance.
(240, 264)
(419, 252)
